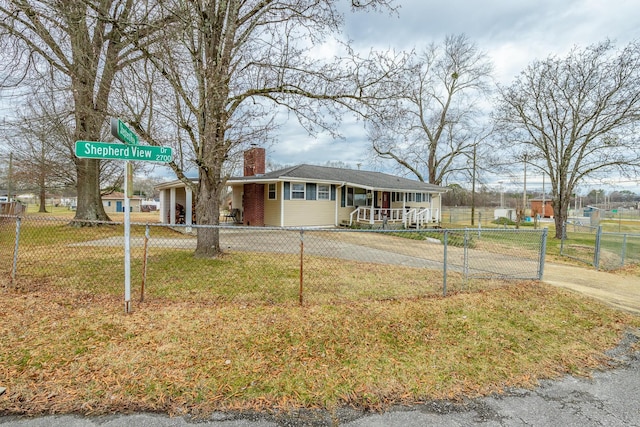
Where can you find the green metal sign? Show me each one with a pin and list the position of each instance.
(122, 132)
(106, 150)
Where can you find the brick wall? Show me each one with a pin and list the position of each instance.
(253, 203)
(254, 161)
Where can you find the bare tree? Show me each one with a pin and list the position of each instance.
(82, 44)
(429, 128)
(38, 163)
(574, 117)
(230, 68)
(41, 140)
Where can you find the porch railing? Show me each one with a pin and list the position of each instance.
(406, 216)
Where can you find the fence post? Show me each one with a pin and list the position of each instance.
(543, 252)
(596, 252)
(300, 293)
(623, 255)
(465, 262)
(563, 236)
(444, 267)
(14, 267)
(144, 262)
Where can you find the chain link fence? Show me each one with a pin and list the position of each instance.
(264, 265)
(603, 250)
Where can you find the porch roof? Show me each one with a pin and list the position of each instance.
(355, 178)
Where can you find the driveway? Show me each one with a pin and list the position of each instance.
(620, 291)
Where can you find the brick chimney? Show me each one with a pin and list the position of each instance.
(253, 203)
(254, 161)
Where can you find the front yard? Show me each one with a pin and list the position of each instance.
(65, 350)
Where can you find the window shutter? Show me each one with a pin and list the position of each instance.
(311, 191)
(333, 192)
(287, 191)
(343, 197)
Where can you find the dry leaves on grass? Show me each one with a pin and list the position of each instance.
(69, 351)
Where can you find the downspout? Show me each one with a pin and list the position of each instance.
(281, 203)
(338, 203)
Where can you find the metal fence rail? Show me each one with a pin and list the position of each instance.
(579, 242)
(263, 265)
(617, 250)
(603, 250)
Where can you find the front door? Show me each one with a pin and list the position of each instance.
(386, 203)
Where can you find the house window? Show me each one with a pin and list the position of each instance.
(272, 192)
(349, 196)
(419, 197)
(109, 204)
(297, 191)
(409, 197)
(360, 197)
(324, 192)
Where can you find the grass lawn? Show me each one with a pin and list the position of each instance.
(65, 350)
(194, 348)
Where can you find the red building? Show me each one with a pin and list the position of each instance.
(537, 208)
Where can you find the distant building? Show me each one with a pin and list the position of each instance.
(114, 202)
(508, 213)
(537, 208)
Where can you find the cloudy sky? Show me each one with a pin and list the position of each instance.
(512, 33)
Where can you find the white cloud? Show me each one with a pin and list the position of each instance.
(513, 33)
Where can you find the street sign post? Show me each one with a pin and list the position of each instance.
(107, 150)
(127, 152)
(122, 132)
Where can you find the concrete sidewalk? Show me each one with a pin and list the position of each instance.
(620, 291)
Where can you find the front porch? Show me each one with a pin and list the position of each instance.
(406, 217)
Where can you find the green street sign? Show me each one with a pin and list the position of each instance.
(122, 132)
(106, 150)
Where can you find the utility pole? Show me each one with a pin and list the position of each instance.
(524, 192)
(543, 195)
(473, 186)
(10, 177)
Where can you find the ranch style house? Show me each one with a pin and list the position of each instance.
(313, 196)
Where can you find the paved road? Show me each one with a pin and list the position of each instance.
(609, 398)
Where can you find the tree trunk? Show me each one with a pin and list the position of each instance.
(208, 213)
(43, 197)
(89, 200)
(560, 213)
